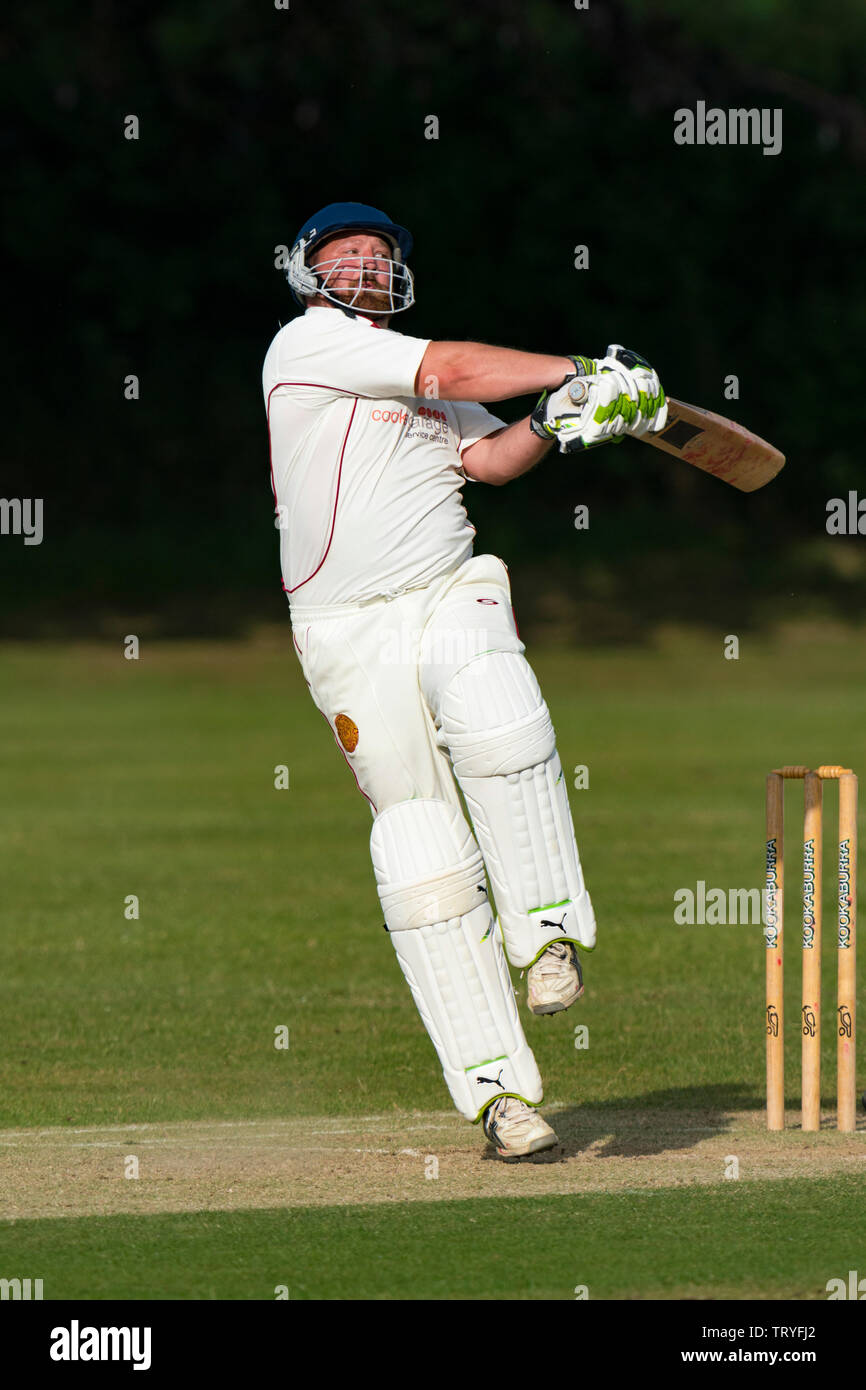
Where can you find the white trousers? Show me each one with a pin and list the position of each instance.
(377, 673)
(423, 691)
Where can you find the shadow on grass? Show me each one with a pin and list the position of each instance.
(642, 1126)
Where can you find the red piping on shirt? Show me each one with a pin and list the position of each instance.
(341, 392)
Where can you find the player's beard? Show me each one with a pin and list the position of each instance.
(368, 298)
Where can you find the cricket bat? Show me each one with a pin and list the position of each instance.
(710, 442)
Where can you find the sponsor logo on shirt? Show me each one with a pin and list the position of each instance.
(390, 417)
(431, 424)
(426, 422)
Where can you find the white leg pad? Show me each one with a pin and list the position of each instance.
(498, 731)
(430, 877)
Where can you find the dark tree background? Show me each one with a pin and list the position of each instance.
(156, 257)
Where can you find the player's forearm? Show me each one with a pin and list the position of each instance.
(478, 372)
(499, 458)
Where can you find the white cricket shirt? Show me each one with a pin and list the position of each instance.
(366, 475)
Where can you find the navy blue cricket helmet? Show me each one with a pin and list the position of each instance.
(350, 217)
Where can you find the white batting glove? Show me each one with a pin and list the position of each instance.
(647, 393)
(588, 410)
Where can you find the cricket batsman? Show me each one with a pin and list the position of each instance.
(408, 643)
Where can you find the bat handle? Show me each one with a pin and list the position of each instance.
(577, 392)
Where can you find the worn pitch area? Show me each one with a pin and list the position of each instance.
(316, 1161)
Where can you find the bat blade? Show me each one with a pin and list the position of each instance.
(715, 445)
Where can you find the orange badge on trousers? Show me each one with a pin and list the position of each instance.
(347, 732)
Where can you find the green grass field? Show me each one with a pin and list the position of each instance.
(258, 911)
(672, 1244)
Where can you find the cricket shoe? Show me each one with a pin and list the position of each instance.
(515, 1129)
(555, 981)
